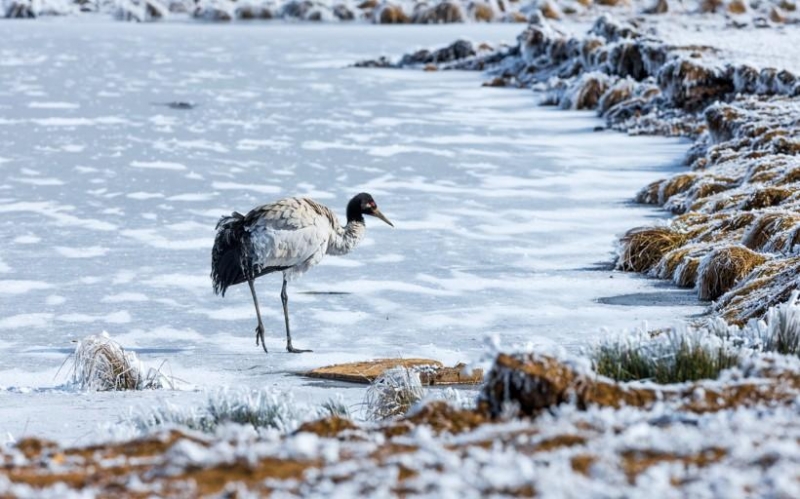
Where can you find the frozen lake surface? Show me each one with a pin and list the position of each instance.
(506, 213)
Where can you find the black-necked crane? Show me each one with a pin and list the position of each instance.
(290, 236)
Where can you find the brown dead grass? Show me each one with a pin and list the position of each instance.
(768, 285)
(649, 194)
(582, 463)
(766, 227)
(737, 7)
(550, 10)
(710, 6)
(721, 269)
(766, 198)
(776, 15)
(636, 462)
(441, 418)
(589, 93)
(482, 12)
(644, 247)
(392, 14)
(329, 427)
(619, 92)
(534, 384)
(686, 273)
(675, 185)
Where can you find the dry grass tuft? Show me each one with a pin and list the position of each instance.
(685, 275)
(330, 427)
(737, 7)
(768, 285)
(620, 91)
(444, 12)
(723, 268)
(482, 12)
(443, 417)
(636, 462)
(766, 227)
(550, 10)
(681, 264)
(390, 14)
(675, 185)
(644, 247)
(587, 92)
(393, 393)
(649, 194)
(765, 198)
(101, 364)
(710, 6)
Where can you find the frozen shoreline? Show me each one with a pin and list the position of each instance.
(500, 237)
(706, 442)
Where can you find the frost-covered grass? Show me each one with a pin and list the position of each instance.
(101, 364)
(393, 394)
(260, 409)
(670, 357)
(691, 353)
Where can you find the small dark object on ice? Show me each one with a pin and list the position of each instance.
(181, 105)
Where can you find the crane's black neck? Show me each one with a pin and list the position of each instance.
(355, 211)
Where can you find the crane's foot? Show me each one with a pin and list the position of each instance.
(291, 349)
(260, 337)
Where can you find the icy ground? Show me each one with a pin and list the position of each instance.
(506, 213)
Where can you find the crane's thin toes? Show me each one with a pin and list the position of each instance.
(292, 349)
(260, 338)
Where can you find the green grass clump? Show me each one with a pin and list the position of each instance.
(674, 362)
(694, 353)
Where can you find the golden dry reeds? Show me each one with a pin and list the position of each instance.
(649, 194)
(681, 264)
(723, 268)
(737, 7)
(550, 10)
(766, 227)
(390, 14)
(644, 247)
(765, 198)
(767, 285)
(620, 91)
(590, 89)
(482, 12)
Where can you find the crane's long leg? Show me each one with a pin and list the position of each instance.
(260, 327)
(285, 300)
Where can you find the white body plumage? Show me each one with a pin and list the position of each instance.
(297, 233)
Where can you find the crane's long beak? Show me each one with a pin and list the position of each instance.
(377, 213)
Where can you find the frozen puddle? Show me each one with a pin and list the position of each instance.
(506, 213)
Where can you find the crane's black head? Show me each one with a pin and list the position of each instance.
(363, 204)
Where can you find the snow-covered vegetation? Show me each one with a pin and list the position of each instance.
(693, 352)
(738, 12)
(542, 425)
(704, 408)
(734, 241)
(260, 409)
(100, 363)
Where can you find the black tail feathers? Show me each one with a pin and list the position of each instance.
(229, 257)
